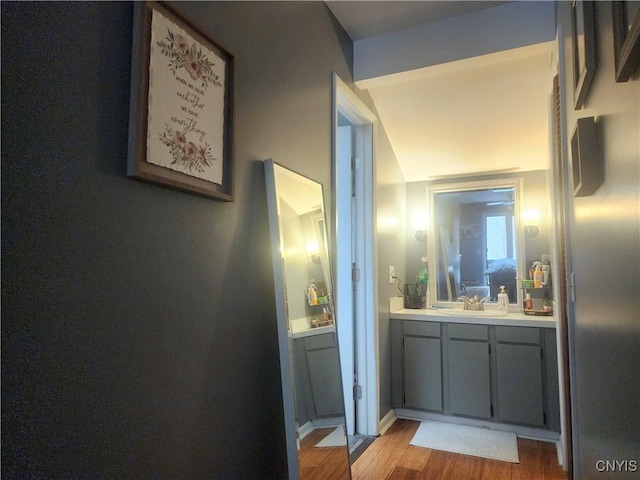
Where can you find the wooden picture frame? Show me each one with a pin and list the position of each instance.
(584, 49)
(626, 39)
(182, 103)
(588, 168)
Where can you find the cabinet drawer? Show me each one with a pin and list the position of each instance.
(423, 329)
(518, 335)
(325, 340)
(468, 332)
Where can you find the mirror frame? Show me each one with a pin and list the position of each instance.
(284, 342)
(284, 324)
(432, 237)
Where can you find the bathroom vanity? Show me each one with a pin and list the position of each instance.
(465, 368)
(317, 375)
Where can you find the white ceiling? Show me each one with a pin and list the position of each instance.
(480, 115)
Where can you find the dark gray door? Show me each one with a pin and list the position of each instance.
(469, 378)
(324, 375)
(422, 373)
(519, 377)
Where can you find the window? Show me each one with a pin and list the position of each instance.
(500, 236)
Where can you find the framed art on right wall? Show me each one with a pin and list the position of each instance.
(583, 35)
(588, 170)
(626, 38)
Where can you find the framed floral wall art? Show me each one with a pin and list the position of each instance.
(181, 131)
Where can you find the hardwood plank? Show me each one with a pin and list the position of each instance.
(391, 457)
(386, 459)
(551, 469)
(322, 463)
(402, 473)
(309, 456)
(362, 464)
(530, 466)
(439, 467)
(496, 470)
(467, 468)
(334, 466)
(415, 458)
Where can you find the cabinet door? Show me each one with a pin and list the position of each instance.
(324, 376)
(422, 373)
(519, 377)
(469, 378)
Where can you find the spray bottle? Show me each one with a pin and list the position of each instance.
(423, 281)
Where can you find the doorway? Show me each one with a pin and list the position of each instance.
(353, 127)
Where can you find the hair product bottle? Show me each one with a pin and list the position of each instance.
(528, 303)
(313, 296)
(538, 277)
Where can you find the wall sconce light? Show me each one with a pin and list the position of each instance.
(420, 225)
(313, 250)
(531, 220)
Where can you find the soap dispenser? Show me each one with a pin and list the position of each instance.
(503, 300)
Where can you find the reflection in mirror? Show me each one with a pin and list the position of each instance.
(475, 239)
(309, 360)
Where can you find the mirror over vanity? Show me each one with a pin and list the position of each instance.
(474, 242)
(313, 401)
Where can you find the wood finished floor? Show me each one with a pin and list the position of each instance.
(322, 463)
(391, 457)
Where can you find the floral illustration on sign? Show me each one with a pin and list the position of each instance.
(189, 57)
(184, 153)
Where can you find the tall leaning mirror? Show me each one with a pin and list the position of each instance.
(310, 365)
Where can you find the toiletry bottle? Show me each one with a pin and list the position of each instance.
(528, 303)
(423, 277)
(546, 303)
(313, 297)
(545, 274)
(503, 300)
(538, 277)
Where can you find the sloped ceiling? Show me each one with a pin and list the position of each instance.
(480, 115)
(365, 19)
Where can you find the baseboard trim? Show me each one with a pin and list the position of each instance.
(327, 422)
(560, 454)
(387, 421)
(311, 425)
(519, 430)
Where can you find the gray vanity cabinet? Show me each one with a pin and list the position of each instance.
(520, 375)
(421, 372)
(469, 370)
(320, 375)
(505, 374)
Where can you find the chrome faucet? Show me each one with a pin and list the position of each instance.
(473, 303)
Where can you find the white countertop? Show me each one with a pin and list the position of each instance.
(513, 319)
(313, 331)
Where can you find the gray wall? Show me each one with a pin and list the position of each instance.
(391, 248)
(138, 323)
(603, 236)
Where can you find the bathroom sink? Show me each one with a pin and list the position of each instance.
(452, 312)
